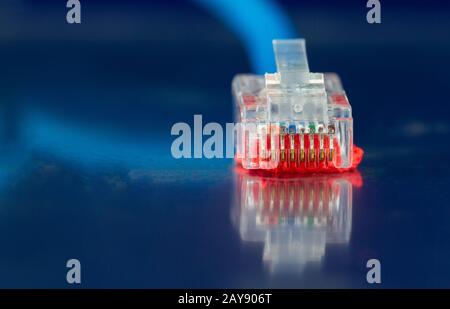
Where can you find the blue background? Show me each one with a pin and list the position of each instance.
(85, 118)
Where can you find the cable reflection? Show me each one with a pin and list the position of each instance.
(295, 217)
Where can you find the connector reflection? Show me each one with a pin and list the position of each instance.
(295, 218)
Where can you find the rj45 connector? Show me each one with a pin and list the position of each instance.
(293, 119)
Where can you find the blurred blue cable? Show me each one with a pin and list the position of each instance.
(257, 23)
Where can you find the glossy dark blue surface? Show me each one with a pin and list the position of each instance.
(86, 170)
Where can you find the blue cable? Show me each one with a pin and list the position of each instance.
(256, 23)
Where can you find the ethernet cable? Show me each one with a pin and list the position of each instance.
(293, 120)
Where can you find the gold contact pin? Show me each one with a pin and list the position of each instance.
(311, 155)
(312, 131)
(321, 151)
(302, 144)
(292, 142)
(331, 131)
(273, 152)
(282, 146)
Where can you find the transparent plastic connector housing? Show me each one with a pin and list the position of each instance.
(293, 119)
